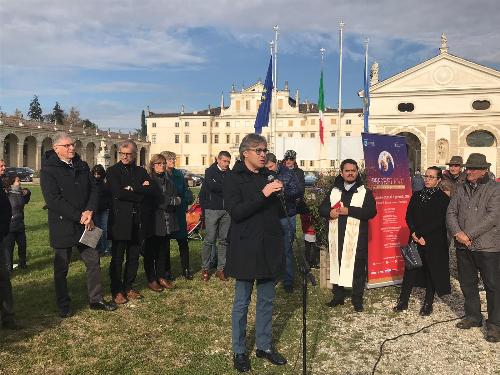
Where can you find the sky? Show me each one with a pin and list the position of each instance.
(113, 58)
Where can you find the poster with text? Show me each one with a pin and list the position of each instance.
(386, 164)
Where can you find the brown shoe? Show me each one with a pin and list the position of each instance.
(205, 275)
(220, 275)
(166, 284)
(134, 294)
(155, 287)
(120, 299)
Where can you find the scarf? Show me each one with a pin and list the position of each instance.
(426, 193)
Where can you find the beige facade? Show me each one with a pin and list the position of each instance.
(23, 142)
(444, 106)
(198, 137)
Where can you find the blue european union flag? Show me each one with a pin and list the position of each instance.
(262, 118)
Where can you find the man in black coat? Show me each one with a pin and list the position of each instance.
(256, 248)
(71, 195)
(130, 220)
(217, 219)
(6, 300)
(348, 207)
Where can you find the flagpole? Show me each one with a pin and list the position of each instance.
(275, 87)
(367, 86)
(339, 121)
(322, 145)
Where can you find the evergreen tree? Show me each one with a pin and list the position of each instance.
(89, 124)
(58, 114)
(73, 117)
(35, 111)
(144, 128)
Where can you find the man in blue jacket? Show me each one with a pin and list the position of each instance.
(217, 219)
(292, 190)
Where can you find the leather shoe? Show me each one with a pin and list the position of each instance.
(134, 294)
(401, 306)
(335, 302)
(241, 362)
(164, 283)
(120, 299)
(205, 275)
(66, 313)
(220, 275)
(103, 305)
(492, 336)
(169, 276)
(468, 324)
(358, 306)
(187, 274)
(272, 356)
(155, 287)
(426, 309)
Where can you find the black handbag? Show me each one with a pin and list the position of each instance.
(411, 256)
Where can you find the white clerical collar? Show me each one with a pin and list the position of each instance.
(348, 186)
(69, 162)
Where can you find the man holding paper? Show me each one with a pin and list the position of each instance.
(71, 198)
(348, 207)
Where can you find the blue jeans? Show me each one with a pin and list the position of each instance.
(101, 221)
(288, 236)
(263, 314)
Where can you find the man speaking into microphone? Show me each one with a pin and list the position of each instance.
(255, 254)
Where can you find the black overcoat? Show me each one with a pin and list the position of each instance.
(256, 245)
(165, 219)
(18, 199)
(428, 220)
(68, 191)
(5, 213)
(124, 202)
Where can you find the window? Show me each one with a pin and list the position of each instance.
(312, 135)
(481, 138)
(237, 139)
(313, 121)
(302, 122)
(186, 138)
(216, 124)
(176, 138)
(186, 160)
(280, 103)
(203, 160)
(153, 138)
(186, 123)
(154, 125)
(228, 138)
(311, 163)
(481, 105)
(290, 135)
(203, 138)
(406, 107)
(302, 135)
(332, 134)
(228, 124)
(302, 163)
(332, 163)
(204, 123)
(247, 105)
(176, 124)
(237, 106)
(216, 138)
(333, 121)
(290, 122)
(279, 135)
(348, 122)
(347, 134)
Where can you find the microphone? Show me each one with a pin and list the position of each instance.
(272, 178)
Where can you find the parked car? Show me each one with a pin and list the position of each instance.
(310, 178)
(192, 179)
(25, 174)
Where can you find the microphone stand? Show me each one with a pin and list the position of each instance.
(307, 276)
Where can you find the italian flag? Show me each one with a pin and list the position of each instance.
(321, 109)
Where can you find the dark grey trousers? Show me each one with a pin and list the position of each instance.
(217, 224)
(6, 300)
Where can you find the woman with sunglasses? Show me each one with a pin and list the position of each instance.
(426, 219)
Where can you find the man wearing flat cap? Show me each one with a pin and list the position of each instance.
(473, 219)
(454, 175)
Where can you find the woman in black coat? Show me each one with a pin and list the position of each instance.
(101, 216)
(426, 219)
(165, 223)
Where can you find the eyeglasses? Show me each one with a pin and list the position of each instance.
(67, 145)
(160, 163)
(455, 165)
(429, 177)
(260, 151)
(126, 153)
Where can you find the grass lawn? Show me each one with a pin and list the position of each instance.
(184, 331)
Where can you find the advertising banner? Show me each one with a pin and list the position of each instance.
(386, 165)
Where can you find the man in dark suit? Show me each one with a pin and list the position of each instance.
(256, 248)
(130, 220)
(6, 301)
(71, 198)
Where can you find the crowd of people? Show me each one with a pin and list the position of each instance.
(250, 217)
